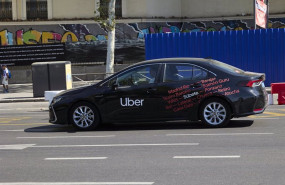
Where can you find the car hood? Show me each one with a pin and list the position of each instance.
(73, 91)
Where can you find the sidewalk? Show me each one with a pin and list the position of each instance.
(24, 93)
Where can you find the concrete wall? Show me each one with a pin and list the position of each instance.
(277, 6)
(194, 8)
(225, 8)
(216, 8)
(20, 74)
(151, 8)
(70, 9)
(134, 8)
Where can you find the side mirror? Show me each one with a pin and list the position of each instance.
(115, 87)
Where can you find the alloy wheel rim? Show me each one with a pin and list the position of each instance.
(215, 113)
(83, 116)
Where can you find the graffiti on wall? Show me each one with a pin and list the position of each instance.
(203, 26)
(94, 32)
(87, 42)
(33, 36)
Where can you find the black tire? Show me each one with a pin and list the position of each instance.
(215, 112)
(84, 116)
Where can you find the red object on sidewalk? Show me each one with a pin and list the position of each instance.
(277, 87)
(281, 98)
(280, 89)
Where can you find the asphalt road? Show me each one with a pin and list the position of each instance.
(250, 151)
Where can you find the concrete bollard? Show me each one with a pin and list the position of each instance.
(270, 99)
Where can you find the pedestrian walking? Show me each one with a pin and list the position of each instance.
(5, 75)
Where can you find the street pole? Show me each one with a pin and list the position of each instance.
(254, 16)
(267, 13)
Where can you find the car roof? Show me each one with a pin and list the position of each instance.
(197, 61)
(176, 60)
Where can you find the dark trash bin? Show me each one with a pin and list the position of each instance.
(51, 76)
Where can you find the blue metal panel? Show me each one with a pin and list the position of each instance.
(159, 46)
(148, 45)
(251, 50)
(273, 57)
(282, 49)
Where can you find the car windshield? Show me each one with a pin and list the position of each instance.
(227, 67)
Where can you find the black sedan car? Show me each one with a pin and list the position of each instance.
(163, 90)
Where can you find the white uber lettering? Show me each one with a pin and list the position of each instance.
(127, 102)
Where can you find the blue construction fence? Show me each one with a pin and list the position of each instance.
(260, 50)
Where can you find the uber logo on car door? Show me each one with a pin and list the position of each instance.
(127, 102)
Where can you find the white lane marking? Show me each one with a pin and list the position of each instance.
(12, 130)
(16, 146)
(253, 118)
(76, 158)
(77, 183)
(206, 157)
(63, 137)
(116, 145)
(220, 134)
(275, 108)
(40, 108)
(267, 118)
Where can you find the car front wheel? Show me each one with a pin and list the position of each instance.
(215, 113)
(84, 116)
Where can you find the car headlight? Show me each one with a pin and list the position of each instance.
(56, 99)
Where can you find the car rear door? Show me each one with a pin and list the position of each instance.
(180, 90)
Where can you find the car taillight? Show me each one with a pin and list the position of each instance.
(254, 83)
(257, 110)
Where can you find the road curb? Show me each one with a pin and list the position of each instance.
(23, 100)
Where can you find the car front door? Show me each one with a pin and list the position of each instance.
(129, 96)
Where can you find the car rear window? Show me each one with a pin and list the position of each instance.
(183, 72)
(227, 67)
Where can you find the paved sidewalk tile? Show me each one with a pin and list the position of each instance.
(24, 92)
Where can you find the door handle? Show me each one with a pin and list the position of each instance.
(151, 90)
(99, 96)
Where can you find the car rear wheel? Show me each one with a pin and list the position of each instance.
(84, 116)
(215, 113)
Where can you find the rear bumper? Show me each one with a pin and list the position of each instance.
(250, 113)
(252, 105)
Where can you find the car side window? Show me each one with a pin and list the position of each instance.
(138, 76)
(199, 74)
(111, 82)
(183, 72)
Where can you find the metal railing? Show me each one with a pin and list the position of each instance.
(6, 10)
(90, 77)
(36, 10)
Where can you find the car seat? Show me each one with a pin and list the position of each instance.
(171, 73)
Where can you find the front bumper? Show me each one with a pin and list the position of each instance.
(52, 115)
(58, 116)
